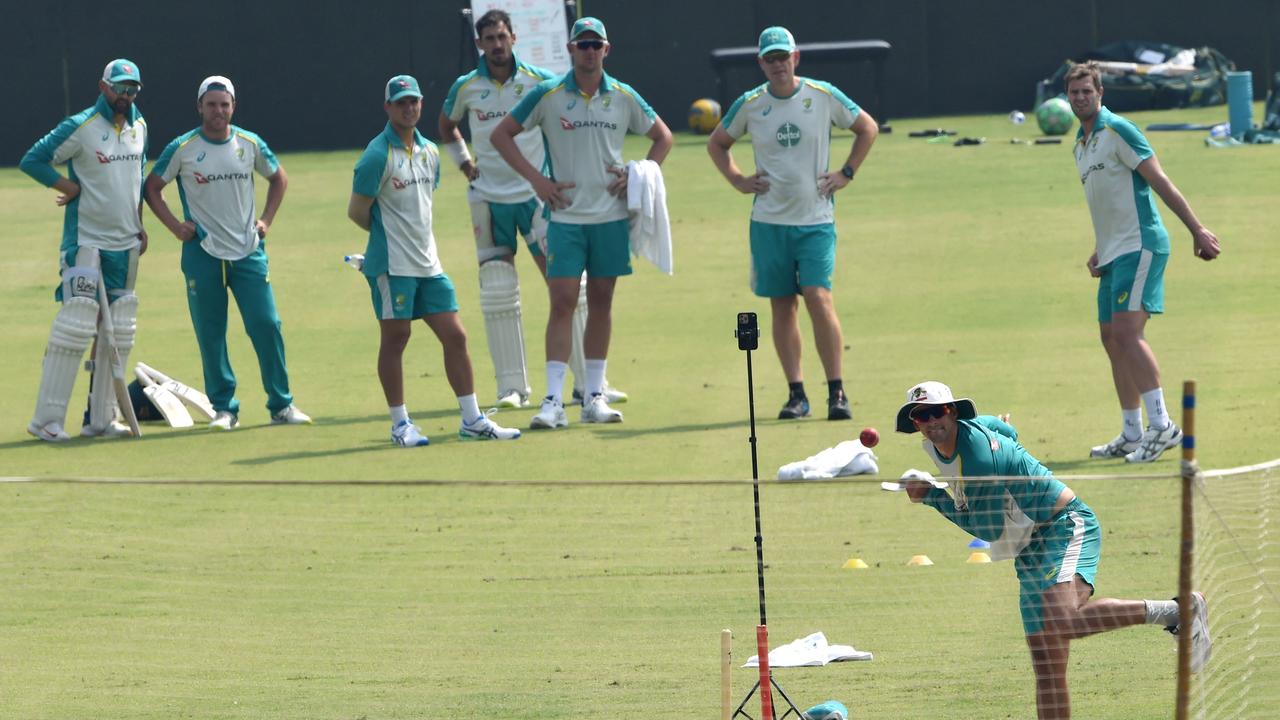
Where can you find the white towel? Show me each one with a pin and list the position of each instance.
(647, 205)
(811, 651)
(850, 457)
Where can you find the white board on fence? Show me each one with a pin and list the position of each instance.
(541, 30)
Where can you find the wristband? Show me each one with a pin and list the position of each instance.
(458, 151)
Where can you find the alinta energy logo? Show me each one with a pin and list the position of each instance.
(788, 135)
(202, 179)
(567, 124)
(105, 159)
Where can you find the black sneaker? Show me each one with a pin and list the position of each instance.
(796, 407)
(838, 408)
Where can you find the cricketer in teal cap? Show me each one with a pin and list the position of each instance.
(776, 39)
(586, 25)
(402, 86)
(121, 70)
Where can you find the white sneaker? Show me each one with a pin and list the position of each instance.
(224, 420)
(485, 429)
(1119, 447)
(1201, 643)
(406, 434)
(597, 410)
(50, 432)
(290, 416)
(1154, 442)
(114, 429)
(611, 394)
(550, 416)
(512, 400)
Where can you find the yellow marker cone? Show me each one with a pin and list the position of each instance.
(978, 557)
(920, 560)
(854, 564)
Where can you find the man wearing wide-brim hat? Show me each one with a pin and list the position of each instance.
(1004, 495)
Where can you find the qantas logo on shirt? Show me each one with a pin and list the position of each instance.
(107, 159)
(1089, 171)
(399, 184)
(483, 115)
(202, 179)
(567, 124)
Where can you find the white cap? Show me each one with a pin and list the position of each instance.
(213, 82)
(932, 393)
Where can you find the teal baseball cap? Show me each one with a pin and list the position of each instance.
(586, 25)
(402, 86)
(121, 70)
(776, 39)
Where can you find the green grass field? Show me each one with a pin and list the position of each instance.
(319, 572)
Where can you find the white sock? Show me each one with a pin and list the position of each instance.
(1132, 419)
(1162, 612)
(470, 408)
(1157, 413)
(556, 371)
(595, 377)
(399, 414)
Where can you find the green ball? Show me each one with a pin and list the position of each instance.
(1054, 116)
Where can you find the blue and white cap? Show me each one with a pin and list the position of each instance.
(401, 86)
(776, 39)
(216, 82)
(829, 710)
(586, 25)
(122, 70)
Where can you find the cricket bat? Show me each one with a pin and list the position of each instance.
(174, 412)
(196, 400)
(107, 333)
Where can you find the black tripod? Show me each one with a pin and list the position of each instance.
(748, 334)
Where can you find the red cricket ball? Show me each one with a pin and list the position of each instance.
(869, 437)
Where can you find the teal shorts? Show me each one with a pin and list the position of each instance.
(1066, 546)
(509, 218)
(1131, 283)
(396, 297)
(602, 249)
(785, 258)
(115, 271)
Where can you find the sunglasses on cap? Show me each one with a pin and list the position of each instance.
(925, 413)
(125, 89)
(589, 44)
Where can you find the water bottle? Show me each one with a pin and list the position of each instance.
(356, 261)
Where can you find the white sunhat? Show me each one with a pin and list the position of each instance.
(932, 393)
(216, 82)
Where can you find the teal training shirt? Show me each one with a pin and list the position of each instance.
(986, 447)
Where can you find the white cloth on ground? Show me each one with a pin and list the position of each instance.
(647, 208)
(850, 457)
(811, 651)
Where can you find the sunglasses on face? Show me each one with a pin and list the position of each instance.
(125, 89)
(925, 413)
(589, 44)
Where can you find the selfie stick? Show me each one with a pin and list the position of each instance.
(748, 339)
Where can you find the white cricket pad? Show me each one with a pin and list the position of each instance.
(73, 330)
(102, 394)
(577, 360)
(195, 400)
(503, 326)
(482, 227)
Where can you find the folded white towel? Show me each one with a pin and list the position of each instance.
(850, 457)
(811, 651)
